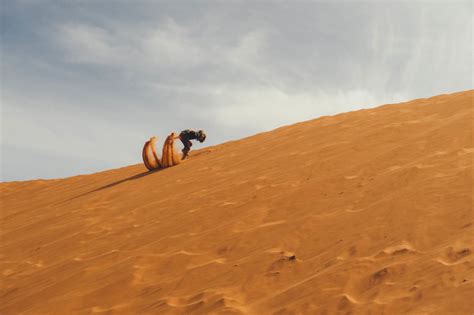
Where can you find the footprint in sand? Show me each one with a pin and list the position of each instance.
(286, 259)
(401, 249)
(454, 256)
(384, 275)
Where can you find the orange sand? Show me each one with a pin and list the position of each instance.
(375, 205)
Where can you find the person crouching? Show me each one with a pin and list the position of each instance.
(186, 136)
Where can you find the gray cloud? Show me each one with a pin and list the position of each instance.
(85, 83)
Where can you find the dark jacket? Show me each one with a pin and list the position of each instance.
(188, 135)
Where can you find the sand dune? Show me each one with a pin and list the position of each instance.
(363, 212)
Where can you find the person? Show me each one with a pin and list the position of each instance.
(186, 136)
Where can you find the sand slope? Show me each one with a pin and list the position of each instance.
(363, 212)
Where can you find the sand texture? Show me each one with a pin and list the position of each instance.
(367, 212)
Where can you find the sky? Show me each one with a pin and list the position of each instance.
(85, 83)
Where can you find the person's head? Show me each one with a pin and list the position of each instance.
(201, 136)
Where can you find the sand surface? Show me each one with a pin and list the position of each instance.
(366, 212)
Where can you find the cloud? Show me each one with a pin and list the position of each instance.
(248, 53)
(88, 44)
(82, 135)
(171, 46)
(167, 46)
(269, 108)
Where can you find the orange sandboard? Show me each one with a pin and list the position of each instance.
(169, 155)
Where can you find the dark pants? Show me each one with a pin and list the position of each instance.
(187, 146)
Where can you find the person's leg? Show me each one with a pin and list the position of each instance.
(187, 147)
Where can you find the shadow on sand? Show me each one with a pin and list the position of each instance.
(134, 177)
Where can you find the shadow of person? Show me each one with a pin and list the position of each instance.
(134, 177)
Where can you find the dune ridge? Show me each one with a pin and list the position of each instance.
(363, 212)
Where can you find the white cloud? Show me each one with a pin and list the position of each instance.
(170, 46)
(166, 46)
(79, 135)
(152, 48)
(89, 44)
(249, 52)
(266, 108)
